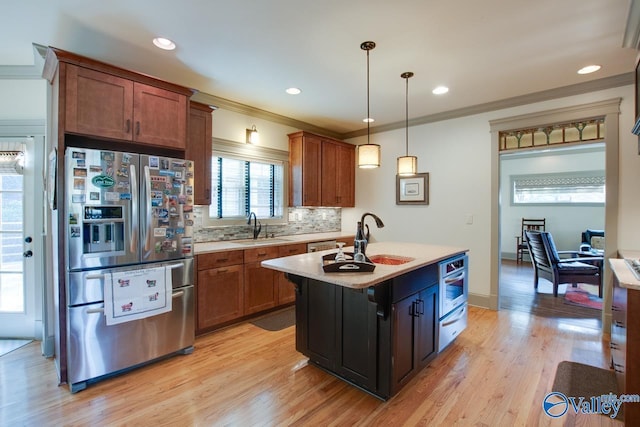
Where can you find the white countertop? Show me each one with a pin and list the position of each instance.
(228, 245)
(310, 264)
(623, 273)
(629, 253)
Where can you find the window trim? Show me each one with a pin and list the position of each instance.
(555, 175)
(242, 151)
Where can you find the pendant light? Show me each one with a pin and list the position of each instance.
(407, 165)
(368, 154)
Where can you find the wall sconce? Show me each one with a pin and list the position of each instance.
(252, 135)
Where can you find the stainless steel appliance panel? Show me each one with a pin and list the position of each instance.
(453, 283)
(451, 326)
(166, 208)
(97, 349)
(85, 287)
(101, 210)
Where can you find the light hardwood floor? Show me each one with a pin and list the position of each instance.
(495, 374)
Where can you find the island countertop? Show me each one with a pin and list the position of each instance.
(310, 264)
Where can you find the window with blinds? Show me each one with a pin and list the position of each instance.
(242, 186)
(567, 188)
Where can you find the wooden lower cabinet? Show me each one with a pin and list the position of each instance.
(260, 290)
(220, 289)
(220, 295)
(625, 346)
(377, 338)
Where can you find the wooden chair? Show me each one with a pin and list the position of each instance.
(548, 265)
(528, 224)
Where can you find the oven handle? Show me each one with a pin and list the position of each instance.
(457, 317)
(452, 279)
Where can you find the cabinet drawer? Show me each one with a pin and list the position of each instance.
(220, 259)
(295, 249)
(260, 254)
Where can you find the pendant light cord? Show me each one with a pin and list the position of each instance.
(368, 113)
(407, 117)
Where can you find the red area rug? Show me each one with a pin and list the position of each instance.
(583, 296)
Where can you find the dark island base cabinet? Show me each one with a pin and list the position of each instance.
(376, 338)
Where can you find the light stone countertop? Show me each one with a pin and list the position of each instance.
(623, 273)
(228, 245)
(629, 253)
(310, 264)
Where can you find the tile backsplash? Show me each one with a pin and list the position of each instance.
(301, 221)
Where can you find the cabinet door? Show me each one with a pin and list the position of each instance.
(160, 117)
(220, 295)
(98, 104)
(330, 179)
(286, 289)
(404, 361)
(316, 321)
(305, 172)
(199, 151)
(345, 173)
(260, 291)
(427, 329)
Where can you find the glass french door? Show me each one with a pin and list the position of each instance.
(17, 207)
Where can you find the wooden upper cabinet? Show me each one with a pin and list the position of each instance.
(159, 117)
(98, 104)
(305, 157)
(105, 101)
(322, 171)
(199, 150)
(338, 187)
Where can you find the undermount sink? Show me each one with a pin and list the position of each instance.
(390, 259)
(258, 242)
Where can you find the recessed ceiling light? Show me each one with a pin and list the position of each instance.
(440, 90)
(368, 120)
(163, 43)
(293, 91)
(589, 69)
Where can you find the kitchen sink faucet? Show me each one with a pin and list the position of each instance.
(256, 225)
(379, 223)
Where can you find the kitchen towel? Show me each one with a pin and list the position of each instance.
(136, 294)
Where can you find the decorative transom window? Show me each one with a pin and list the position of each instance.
(559, 188)
(564, 133)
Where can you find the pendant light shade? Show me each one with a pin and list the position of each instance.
(368, 154)
(407, 165)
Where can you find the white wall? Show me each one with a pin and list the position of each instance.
(566, 223)
(23, 99)
(233, 126)
(457, 154)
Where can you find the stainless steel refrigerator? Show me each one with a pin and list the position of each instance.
(130, 294)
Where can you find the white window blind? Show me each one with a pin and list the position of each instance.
(567, 188)
(241, 186)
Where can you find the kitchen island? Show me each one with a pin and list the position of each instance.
(376, 329)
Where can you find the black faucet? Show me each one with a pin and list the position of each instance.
(256, 225)
(379, 223)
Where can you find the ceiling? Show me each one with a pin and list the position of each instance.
(250, 51)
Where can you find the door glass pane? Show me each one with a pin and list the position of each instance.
(11, 260)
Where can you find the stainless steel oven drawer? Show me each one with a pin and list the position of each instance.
(451, 326)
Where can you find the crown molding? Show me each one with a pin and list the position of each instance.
(546, 95)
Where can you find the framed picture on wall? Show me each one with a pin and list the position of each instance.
(412, 190)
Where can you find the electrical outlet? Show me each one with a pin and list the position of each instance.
(324, 215)
(292, 216)
(469, 219)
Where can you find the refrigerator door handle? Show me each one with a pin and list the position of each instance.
(174, 266)
(147, 201)
(133, 245)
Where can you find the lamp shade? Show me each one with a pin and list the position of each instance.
(407, 165)
(368, 156)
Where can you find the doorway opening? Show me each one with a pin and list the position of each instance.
(21, 209)
(565, 187)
